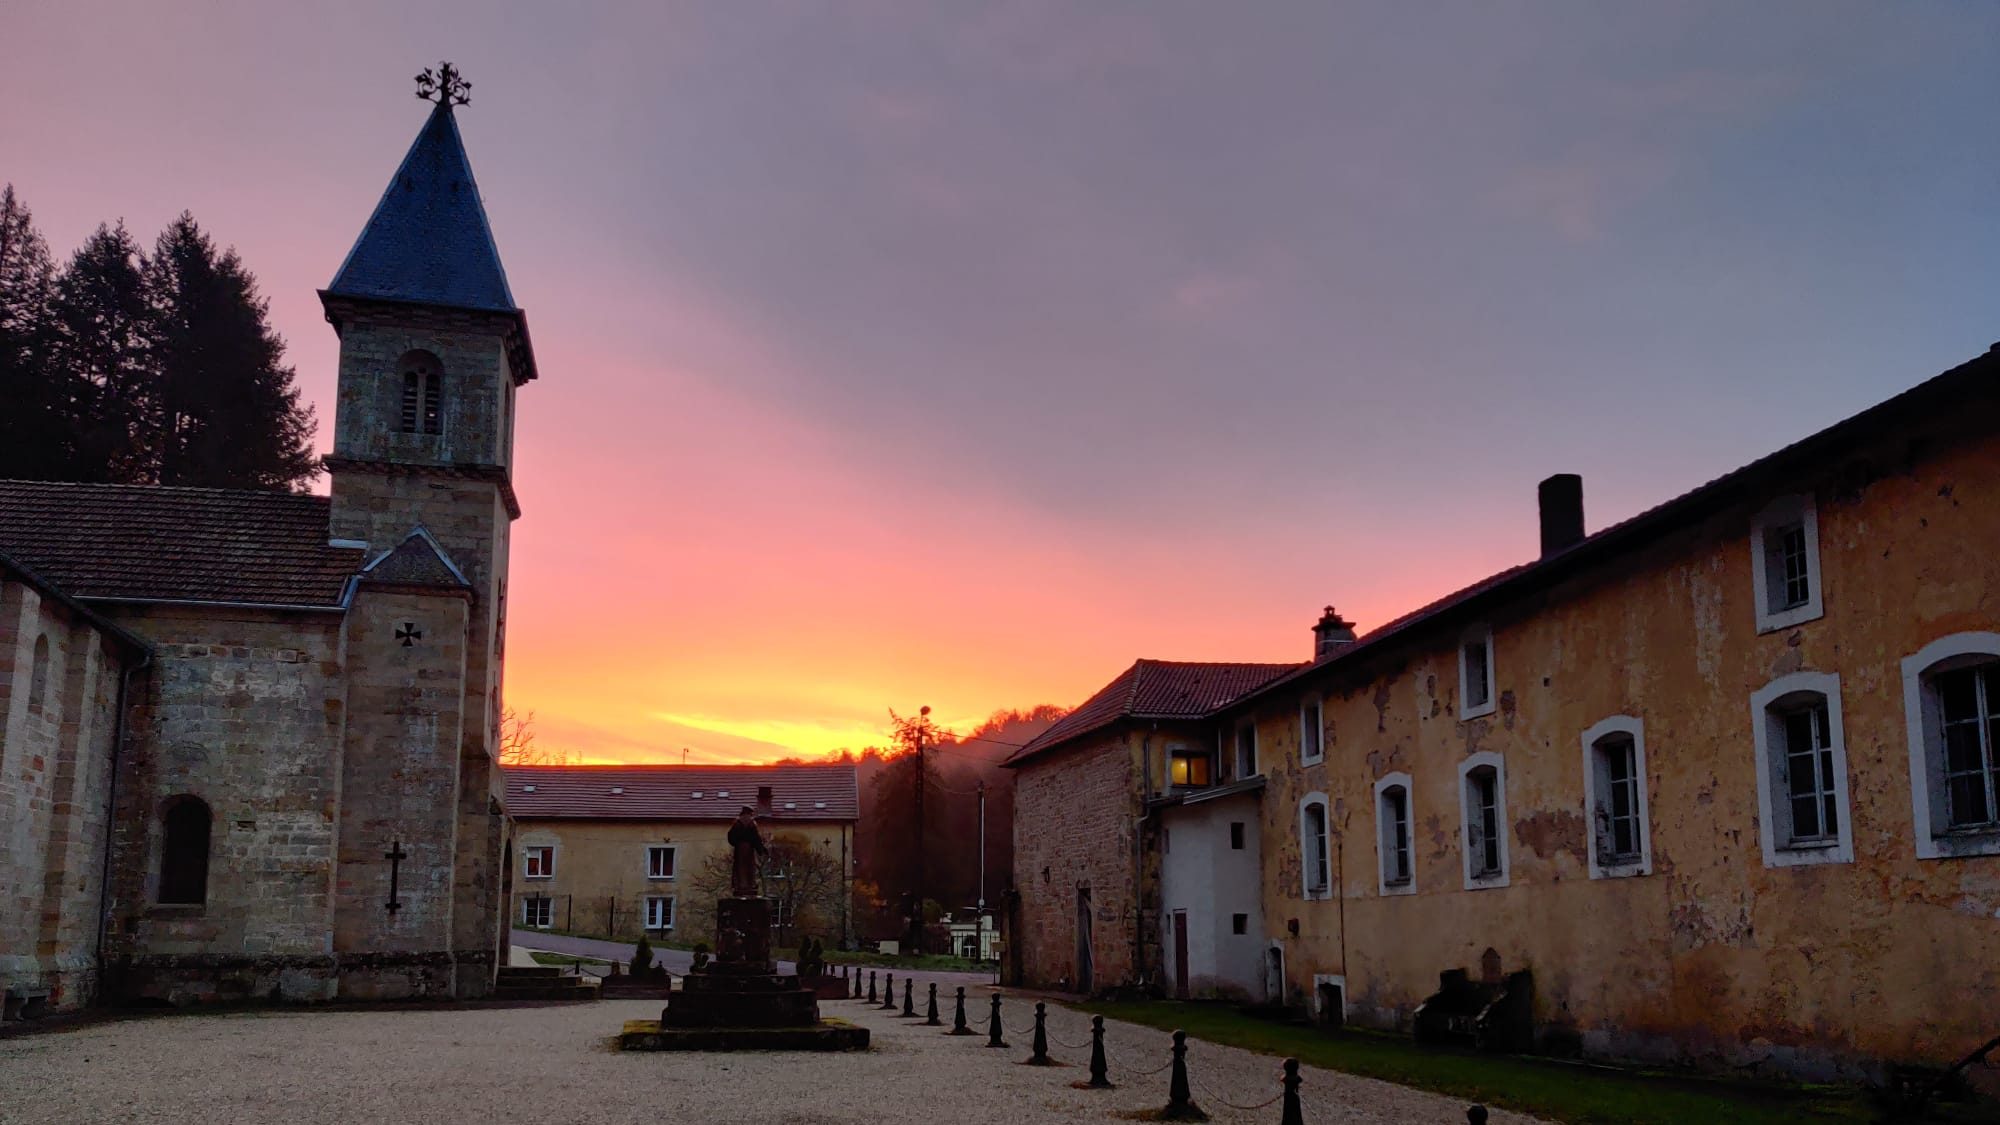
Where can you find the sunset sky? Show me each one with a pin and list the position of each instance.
(958, 354)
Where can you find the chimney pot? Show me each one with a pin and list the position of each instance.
(1331, 633)
(1561, 499)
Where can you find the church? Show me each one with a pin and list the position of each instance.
(247, 739)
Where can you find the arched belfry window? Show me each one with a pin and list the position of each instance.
(184, 851)
(423, 393)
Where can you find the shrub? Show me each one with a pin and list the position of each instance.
(642, 957)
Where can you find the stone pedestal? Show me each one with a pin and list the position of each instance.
(741, 995)
(743, 934)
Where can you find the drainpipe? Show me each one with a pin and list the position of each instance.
(1139, 852)
(121, 730)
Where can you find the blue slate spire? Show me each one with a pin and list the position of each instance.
(428, 241)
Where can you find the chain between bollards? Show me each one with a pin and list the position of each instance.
(1180, 1100)
(958, 1025)
(930, 1011)
(993, 1027)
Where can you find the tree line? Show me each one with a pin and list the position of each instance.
(129, 367)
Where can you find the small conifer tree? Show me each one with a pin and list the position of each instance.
(642, 957)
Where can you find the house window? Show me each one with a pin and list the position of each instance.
(423, 393)
(537, 911)
(1784, 556)
(1313, 849)
(1483, 785)
(1614, 764)
(659, 912)
(1236, 835)
(659, 861)
(1475, 673)
(1239, 923)
(1189, 767)
(184, 851)
(538, 862)
(1392, 844)
(38, 676)
(1246, 750)
(1951, 702)
(1802, 774)
(1312, 730)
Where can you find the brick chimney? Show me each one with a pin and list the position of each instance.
(1561, 499)
(1331, 634)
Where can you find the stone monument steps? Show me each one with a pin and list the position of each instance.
(542, 982)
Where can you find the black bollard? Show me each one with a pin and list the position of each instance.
(909, 1009)
(889, 993)
(993, 1027)
(871, 986)
(958, 1026)
(1293, 1114)
(1100, 1071)
(930, 1012)
(1041, 1045)
(1180, 1100)
(1476, 1115)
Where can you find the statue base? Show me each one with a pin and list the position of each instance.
(742, 989)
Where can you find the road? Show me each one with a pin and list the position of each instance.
(678, 961)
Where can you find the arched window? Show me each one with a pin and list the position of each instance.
(1313, 847)
(38, 677)
(1802, 771)
(184, 851)
(1614, 778)
(1482, 779)
(1951, 699)
(1398, 875)
(423, 393)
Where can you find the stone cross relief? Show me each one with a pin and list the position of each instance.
(409, 634)
(395, 855)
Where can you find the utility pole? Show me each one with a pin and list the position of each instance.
(982, 847)
(917, 914)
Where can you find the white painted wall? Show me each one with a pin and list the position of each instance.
(1202, 875)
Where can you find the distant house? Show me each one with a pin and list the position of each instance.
(1093, 799)
(621, 851)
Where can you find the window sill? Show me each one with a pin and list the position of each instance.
(1489, 881)
(1959, 843)
(1478, 711)
(1314, 761)
(177, 910)
(537, 878)
(1787, 618)
(659, 878)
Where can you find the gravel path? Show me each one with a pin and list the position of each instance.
(554, 1063)
(677, 961)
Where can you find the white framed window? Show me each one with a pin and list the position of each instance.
(1482, 783)
(1312, 731)
(1614, 779)
(659, 912)
(1802, 771)
(538, 861)
(1315, 854)
(1394, 854)
(537, 911)
(1951, 704)
(1784, 559)
(1246, 749)
(1475, 672)
(660, 861)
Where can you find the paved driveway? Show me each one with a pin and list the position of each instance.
(678, 961)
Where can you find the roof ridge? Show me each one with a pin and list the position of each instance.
(148, 489)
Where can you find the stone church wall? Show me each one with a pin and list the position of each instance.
(55, 750)
(245, 711)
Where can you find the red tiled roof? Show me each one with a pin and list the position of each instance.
(153, 543)
(1155, 689)
(810, 792)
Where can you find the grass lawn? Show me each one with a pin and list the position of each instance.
(1570, 1092)
(565, 959)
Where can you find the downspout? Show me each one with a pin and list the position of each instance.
(1139, 851)
(120, 730)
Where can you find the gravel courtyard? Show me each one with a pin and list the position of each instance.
(555, 1064)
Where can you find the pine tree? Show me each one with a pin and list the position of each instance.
(34, 431)
(103, 354)
(227, 407)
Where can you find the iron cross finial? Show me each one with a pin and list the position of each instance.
(445, 86)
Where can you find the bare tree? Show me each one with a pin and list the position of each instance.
(517, 742)
(801, 879)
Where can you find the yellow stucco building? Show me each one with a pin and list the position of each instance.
(619, 851)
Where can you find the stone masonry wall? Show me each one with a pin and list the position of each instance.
(400, 782)
(55, 755)
(1074, 814)
(243, 709)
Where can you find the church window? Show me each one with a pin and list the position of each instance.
(423, 393)
(184, 852)
(539, 862)
(38, 677)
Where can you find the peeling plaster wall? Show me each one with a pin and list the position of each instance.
(1820, 970)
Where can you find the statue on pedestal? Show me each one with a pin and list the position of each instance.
(746, 844)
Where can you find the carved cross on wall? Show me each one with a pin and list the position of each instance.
(395, 855)
(409, 634)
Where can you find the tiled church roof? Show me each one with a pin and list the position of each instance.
(802, 792)
(1155, 689)
(152, 543)
(428, 241)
